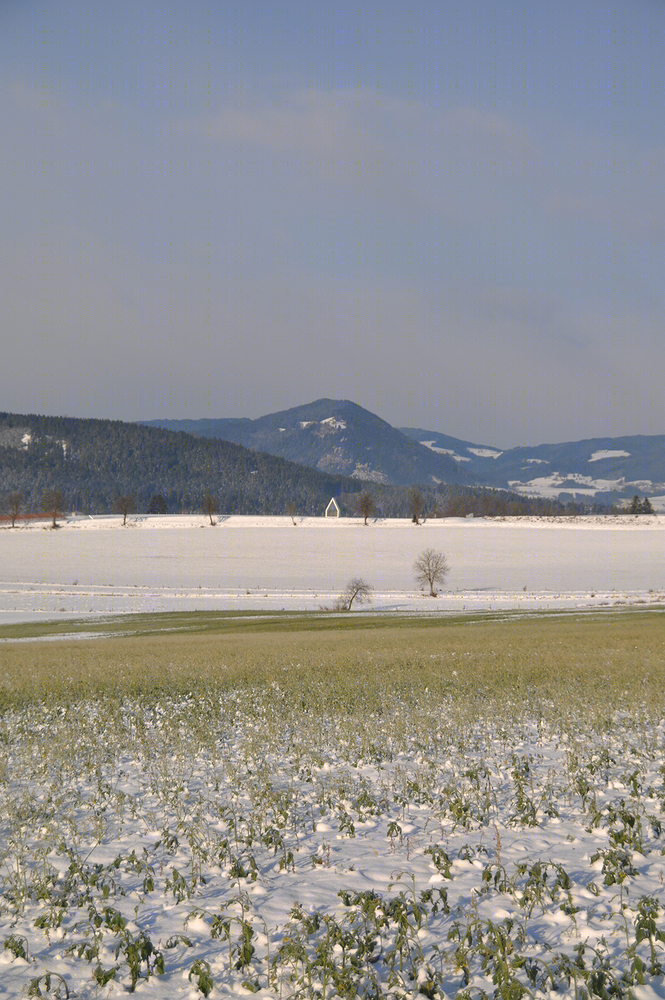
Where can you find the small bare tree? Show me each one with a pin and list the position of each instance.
(12, 503)
(210, 505)
(52, 502)
(431, 567)
(124, 505)
(365, 505)
(416, 504)
(356, 590)
(291, 510)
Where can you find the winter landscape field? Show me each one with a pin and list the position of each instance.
(179, 563)
(209, 785)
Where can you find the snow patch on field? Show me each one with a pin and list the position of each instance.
(485, 452)
(575, 483)
(367, 473)
(445, 451)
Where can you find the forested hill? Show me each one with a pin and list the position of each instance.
(93, 462)
(338, 437)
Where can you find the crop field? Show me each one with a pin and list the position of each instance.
(329, 806)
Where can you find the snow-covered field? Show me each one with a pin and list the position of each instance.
(97, 566)
(473, 818)
(351, 836)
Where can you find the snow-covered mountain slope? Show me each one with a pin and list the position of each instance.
(342, 438)
(334, 436)
(602, 469)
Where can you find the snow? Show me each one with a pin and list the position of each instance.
(306, 423)
(154, 819)
(445, 451)
(367, 473)
(335, 423)
(96, 566)
(598, 455)
(485, 452)
(575, 483)
(557, 482)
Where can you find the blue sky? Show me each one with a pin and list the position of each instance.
(452, 216)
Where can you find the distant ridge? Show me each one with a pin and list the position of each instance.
(606, 470)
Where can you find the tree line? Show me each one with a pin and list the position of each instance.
(421, 502)
(416, 503)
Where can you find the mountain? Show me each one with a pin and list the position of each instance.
(94, 461)
(607, 470)
(341, 437)
(337, 437)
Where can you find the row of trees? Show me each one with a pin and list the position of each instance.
(52, 503)
(419, 503)
(366, 506)
(415, 503)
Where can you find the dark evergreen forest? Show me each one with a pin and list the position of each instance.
(94, 462)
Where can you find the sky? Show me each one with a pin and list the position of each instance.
(451, 215)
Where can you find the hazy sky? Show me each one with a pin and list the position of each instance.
(453, 216)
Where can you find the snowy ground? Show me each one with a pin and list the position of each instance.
(97, 566)
(248, 844)
(427, 839)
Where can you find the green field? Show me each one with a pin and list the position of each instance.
(598, 653)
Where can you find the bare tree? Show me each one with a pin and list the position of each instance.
(291, 510)
(365, 505)
(12, 503)
(416, 504)
(356, 590)
(210, 505)
(52, 502)
(124, 505)
(431, 567)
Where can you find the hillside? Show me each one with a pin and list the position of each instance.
(94, 461)
(334, 436)
(605, 470)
